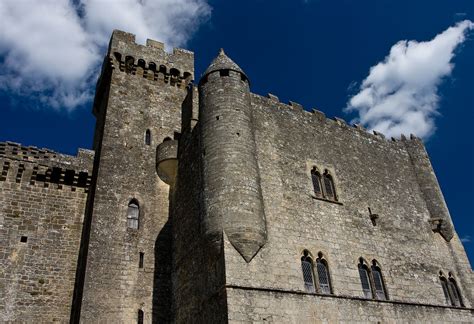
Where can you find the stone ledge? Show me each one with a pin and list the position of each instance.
(327, 200)
(296, 292)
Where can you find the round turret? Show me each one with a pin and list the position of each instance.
(232, 193)
(223, 63)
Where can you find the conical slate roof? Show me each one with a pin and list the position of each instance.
(223, 62)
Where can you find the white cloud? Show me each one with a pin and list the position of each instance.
(466, 239)
(399, 96)
(52, 49)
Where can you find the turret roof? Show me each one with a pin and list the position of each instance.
(223, 62)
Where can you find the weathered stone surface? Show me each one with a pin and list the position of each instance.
(167, 161)
(227, 208)
(42, 202)
(231, 195)
(136, 99)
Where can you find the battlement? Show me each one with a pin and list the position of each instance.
(32, 165)
(82, 161)
(321, 117)
(150, 61)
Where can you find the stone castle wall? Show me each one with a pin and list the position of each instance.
(42, 202)
(369, 172)
(221, 240)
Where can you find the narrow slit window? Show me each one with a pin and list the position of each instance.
(316, 179)
(378, 283)
(141, 316)
(365, 281)
(308, 274)
(133, 214)
(323, 276)
(141, 260)
(148, 137)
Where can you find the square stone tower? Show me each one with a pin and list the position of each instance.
(126, 252)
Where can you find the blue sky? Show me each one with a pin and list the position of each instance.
(315, 52)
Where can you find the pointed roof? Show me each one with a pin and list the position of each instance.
(223, 62)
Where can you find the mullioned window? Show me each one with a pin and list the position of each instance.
(323, 184)
(316, 276)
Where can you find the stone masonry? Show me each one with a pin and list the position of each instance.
(208, 203)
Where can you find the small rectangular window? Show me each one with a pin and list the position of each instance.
(24, 239)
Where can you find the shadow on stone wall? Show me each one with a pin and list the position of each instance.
(161, 311)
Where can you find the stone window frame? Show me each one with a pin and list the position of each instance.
(141, 212)
(363, 264)
(307, 256)
(451, 290)
(373, 283)
(324, 262)
(316, 180)
(313, 166)
(376, 267)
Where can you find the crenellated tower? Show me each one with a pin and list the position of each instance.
(125, 258)
(232, 194)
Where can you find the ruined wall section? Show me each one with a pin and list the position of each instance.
(42, 203)
(368, 171)
(141, 88)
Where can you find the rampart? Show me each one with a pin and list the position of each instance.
(42, 202)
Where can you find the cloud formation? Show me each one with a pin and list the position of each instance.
(400, 94)
(466, 239)
(51, 49)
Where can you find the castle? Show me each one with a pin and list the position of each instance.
(212, 204)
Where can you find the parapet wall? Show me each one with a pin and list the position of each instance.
(151, 61)
(321, 116)
(43, 196)
(44, 167)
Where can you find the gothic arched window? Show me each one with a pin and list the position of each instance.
(454, 292)
(308, 272)
(329, 189)
(148, 137)
(316, 179)
(133, 214)
(365, 279)
(445, 286)
(323, 275)
(379, 286)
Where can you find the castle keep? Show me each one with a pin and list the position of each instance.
(208, 203)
